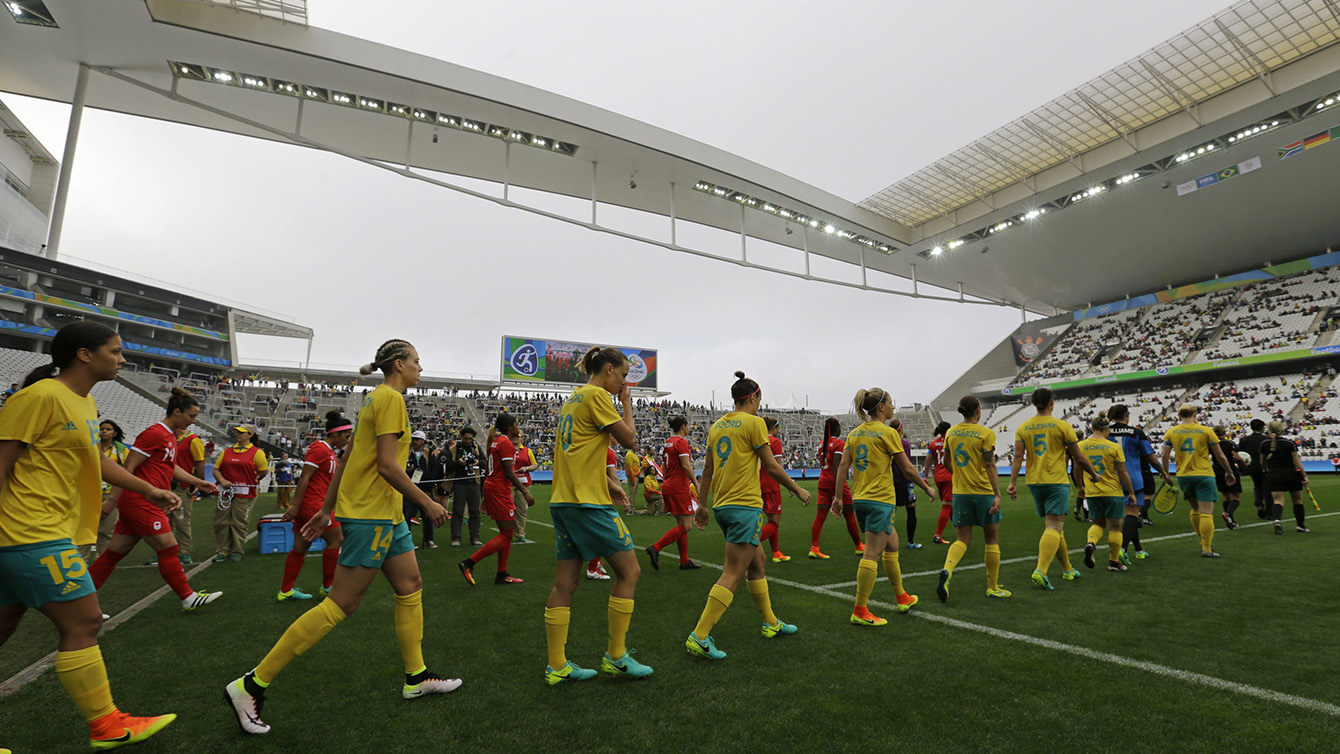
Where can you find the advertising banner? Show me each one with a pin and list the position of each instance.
(1032, 339)
(558, 362)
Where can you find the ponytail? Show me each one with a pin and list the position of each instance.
(596, 359)
(388, 354)
(1099, 422)
(180, 401)
(65, 347)
(831, 428)
(867, 402)
(335, 422)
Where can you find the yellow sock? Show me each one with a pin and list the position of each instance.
(1206, 532)
(84, 677)
(304, 632)
(758, 589)
(717, 601)
(956, 553)
(556, 621)
(992, 559)
(409, 630)
(1046, 549)
(1094, 534)
(1063, 551)
(1114, 545)
(621, 614)
(1195, 524)
(894, 572)
(867, 573)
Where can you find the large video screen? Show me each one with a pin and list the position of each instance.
(558, 362)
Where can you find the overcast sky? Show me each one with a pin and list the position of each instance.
(848, 96)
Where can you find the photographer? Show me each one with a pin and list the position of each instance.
(417, 468)
(467, 460)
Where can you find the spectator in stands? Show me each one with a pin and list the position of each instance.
(283, 481)
(239, 471)
(467, 474)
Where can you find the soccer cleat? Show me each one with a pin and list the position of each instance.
(428, 683)
(939, 540)
(567, 674)
(199, 599)
(999, 591)
(236, 557)
(117, 729)
(504, 577)
(653, 554)
(689, 565)
(1070, 575)
(862, 616)
(1279, 528)
(703, 647)
(323, 591)
(1088, 554)
(1146, 521)
(1041, 580)
(293, 594)
(783, 629)
(597, 575)
(1123, 557)
(1229, 523)
(815, 554)
(942, 587)
(906, 601)
(778, 557)
(1115, 565)
(1209, 554)
(1141, 554)
(625, 666)
(860, 548)
(246, 700)
(914, 545)
(467, 567)
(1303, 530)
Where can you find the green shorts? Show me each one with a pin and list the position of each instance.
(971, 510)
(42, 572)
(370, 543)
(873, 516)
(740, 523)
(1110, 508)
(1051, 499)
(588, 532)
(1201, 488)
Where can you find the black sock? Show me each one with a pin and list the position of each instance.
(1298, 513)
(417, 678)
(912, 523)
(1231, 507)
(1144, 511)
(1276, 512)
(1129, 528)
(252, 687)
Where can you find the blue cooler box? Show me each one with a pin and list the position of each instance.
(275, 535)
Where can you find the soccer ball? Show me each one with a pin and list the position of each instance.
(1246, 458)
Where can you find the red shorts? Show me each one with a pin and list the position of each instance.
(498, 503)
(772, 501)
(305, 514)
(826, 497)
(946, 492)
(678, 502)
(142, 521)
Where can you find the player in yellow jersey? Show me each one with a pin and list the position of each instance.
(873, 451)
(1193, 443)
(50, 499)
(586, 526)
(1109, 496)
(971, 450)
(737, 447)
(365, 495)
(1047, 441)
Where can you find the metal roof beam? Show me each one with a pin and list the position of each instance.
(1187, 104)
(933, 206)
(1111, 120)
(1010, 166)
(1053, 143)
(977, 192)
(1249, 58)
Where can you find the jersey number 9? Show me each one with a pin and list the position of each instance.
(723, 451)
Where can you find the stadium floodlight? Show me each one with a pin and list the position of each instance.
(937, 251)
(956, 243)
(1033, 214)
(829, 228)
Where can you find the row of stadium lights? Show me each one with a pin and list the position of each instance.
(790, 215)
(370, 104)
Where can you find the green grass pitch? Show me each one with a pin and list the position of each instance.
(1216, 635)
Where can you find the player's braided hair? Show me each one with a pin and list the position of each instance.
(832, 427)
(387, 355)
(1276, 428)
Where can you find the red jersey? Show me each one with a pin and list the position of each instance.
(321, 457)
(501, 450)
(765, 481)
(937, 450)
(158, 445)
(611, 458)
(523, 458)
(676, 480)
(828, 464)
(238, 467)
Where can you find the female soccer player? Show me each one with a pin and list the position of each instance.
(239, 472)
(50, 476)
(1279, 456)
(153, 458)
(830, 457)
(772, 493)
(677, 460)
(1140, 459)
(111, 443)
(737, 446)
(944, 481)
(972, 448)
(1232, 492)
(498, 487)
(365, 496)
(586, 526)
(1047, 442)
(313, 483)
(524, 464)
(1110, 496)
(1194, 444)
(873, 451)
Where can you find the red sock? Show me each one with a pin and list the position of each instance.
(292, 567)
(946, 510)
(593, 565)
(817, 527)
(330, 557)
(492, 546)
(683, 543)
(849, 513)
(505, 549)
(769, 533)
(169, 567)
(670, 536)
(102, 567)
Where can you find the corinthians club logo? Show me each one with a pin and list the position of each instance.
(637, 369)
(526, 360)
(1029, 347)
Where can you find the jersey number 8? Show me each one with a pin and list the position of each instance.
(862, 461)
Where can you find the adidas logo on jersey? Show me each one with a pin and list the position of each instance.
(68, 426)
(70, 586)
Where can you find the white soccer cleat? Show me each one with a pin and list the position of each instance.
(431, 684)
(246, 707)
(199, 599)
(598, 575)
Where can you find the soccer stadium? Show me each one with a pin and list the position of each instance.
(1090, 515)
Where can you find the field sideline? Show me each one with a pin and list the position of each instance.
(1178, 654)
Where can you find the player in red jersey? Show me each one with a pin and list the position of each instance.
(318, 466)
(944, 479)
(830, 457)
(772, 494)
(153, 458)
(502, 479)
(677, 462)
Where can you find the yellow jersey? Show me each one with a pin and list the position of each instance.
(1106, 457)
(54, 490)
(631, 465)
(118, 452)
(872, 447)
(581, 449)
(731, 445)
(1045, 439)
(363, 494)
(1192, 443)
(967, 445)
(651, 484)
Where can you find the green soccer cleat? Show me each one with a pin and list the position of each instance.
(782, 629)
(1123, 557)
(942, 587)
(906, 602)
(567, 673)
(1042, 581)
(323, 591)
(999, 591)
(863, 617)
(703, 647)
(293, 594)
(625, 666)
(1070, 575)
(1141, 554)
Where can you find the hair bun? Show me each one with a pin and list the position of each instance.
(178, 392)
(1101, 415)
(739, 375)
(332, 416)
(366, 369)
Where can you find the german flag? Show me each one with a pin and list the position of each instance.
(1316, 140)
